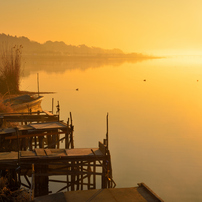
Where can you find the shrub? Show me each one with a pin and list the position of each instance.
(10, 69)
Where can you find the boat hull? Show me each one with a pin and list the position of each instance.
(26, 104)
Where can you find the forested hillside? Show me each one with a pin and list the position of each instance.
(59, 48)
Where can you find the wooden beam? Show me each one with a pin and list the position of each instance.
(32, 135)
(102, 148)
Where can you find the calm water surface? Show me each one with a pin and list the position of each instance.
(155, 126)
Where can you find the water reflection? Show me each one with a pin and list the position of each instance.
(154, 126)
(61, 64)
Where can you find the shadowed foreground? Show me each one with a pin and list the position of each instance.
(142, 193)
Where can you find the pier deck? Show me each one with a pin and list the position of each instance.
(81, 168)
(35, 134)
(10, 159)
(31, 150)
(142, 193)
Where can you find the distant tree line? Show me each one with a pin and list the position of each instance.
(56, 48)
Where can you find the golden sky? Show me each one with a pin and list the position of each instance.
(147, 26)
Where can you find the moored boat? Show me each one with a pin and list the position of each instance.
(25, 103)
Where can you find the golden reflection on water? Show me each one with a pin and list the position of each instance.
(155, 116)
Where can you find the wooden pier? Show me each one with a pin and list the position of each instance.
(31, 156)
(141, 193)
(36, 130)
(32, 150)
(80, 167)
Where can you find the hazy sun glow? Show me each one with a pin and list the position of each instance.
(152, 27)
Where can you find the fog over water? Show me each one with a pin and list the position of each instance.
(155, 116)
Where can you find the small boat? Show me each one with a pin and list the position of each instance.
(25, 103)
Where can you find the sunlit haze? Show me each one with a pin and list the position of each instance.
(154, 103)
(151, 27)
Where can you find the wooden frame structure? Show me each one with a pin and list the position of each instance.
(80, 168)
(35, 131)
(35, 153)
(25, 118)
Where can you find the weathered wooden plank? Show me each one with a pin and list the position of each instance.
(57, 150)
(59, 154)
(97, 152)
(7, 131)
(73, 153)
(40, 152)
(48, 113)
(29, 118)
(8, 155)
(49, 125)
(48, 152)
(32, 135)
(83, 152)
(27, 153)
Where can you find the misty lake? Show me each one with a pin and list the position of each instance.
(155, 116)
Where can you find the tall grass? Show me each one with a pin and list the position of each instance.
(10, 70)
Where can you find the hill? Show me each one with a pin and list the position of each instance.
(59, 48)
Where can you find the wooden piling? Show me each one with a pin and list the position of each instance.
(82, 167)
(32, 185)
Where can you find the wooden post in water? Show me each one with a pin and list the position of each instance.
(107, 138)
(32, 185)
(67, 136)
(89, 175)
(58, 110)
(18, 146)
(52, 104)
(94, 174)
(77, 176)
(82, 164)
(72, 175)
(38, 83)
(71, 132)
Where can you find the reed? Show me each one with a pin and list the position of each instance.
(10, 70)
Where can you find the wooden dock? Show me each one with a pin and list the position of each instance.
(31, 153)
(32, 150)
(36, 130)
(80, 167)
(24, 118)
(142, 193)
